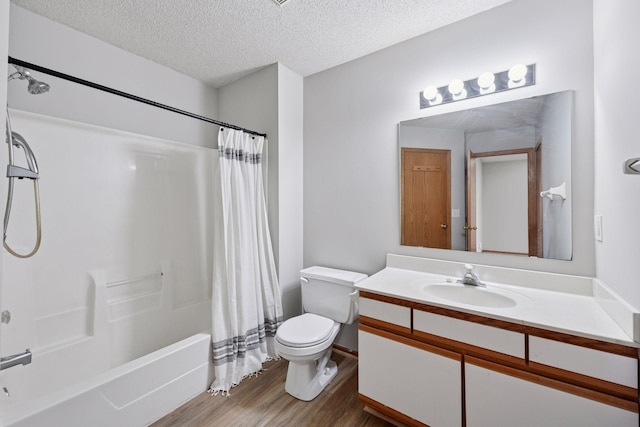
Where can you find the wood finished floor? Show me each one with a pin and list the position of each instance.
(262, 401)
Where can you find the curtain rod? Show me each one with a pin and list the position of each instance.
(126, 95)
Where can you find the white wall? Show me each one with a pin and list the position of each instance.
(556, 129)
(290, 152)
(351, 213)
(270, 101)
(616, 35)
(43, 42)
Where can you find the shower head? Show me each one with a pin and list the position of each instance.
(35, 86)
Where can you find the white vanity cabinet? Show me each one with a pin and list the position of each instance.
(496, 396)
(427, 365)
(423, 385)
(414, 382)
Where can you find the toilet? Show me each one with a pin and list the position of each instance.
(329, 299)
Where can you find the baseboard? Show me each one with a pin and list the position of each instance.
(346, 351)
(382, 416)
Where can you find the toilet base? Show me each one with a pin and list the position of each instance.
(306, 379)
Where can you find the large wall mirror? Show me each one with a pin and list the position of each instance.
(479, 179)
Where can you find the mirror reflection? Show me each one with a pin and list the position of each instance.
(488, 179)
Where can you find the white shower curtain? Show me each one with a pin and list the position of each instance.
(246, 302)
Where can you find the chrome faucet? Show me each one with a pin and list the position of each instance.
(470, 278)
(16, 359)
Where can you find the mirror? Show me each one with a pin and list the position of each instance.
(490, 179)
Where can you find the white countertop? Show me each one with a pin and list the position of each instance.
(567, 312)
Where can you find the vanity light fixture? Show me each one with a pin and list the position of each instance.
(519, 75)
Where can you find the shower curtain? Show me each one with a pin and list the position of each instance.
(246, 301)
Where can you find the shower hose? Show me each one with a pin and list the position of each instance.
(36, 191)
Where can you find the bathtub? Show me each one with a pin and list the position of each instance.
(136, 393)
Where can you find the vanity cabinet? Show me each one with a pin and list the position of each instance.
(417, 381)
(496, 395)
(428, 365)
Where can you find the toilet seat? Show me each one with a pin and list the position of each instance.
(305, 330)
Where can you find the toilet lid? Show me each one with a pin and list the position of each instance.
(305, 330)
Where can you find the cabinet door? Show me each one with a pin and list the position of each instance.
(497, 399)
(421, 384)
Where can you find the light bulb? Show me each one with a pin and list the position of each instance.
(431, 94)
(517, 75)
(456, 86)
(457, 90)
(486, 82)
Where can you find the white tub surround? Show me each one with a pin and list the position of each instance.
(544, 349)
(123, 269)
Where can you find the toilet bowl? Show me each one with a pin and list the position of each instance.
(306, 341)
(310, 367)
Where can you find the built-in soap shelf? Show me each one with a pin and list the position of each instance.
(129, 296)
(134, 295)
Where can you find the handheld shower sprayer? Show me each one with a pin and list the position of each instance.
(14, 139)
(16, 171)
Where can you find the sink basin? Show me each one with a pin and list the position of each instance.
(470, 295)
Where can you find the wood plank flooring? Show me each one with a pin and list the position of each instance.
(262, 401)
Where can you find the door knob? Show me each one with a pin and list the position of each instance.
(443, 225)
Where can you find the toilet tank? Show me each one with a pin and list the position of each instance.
(330, 293)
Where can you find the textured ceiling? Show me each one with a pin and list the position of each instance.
(218, 41)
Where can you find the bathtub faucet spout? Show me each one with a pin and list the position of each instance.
(16, 359)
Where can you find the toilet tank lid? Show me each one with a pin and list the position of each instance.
(342, 277)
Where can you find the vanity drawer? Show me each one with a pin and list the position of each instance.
(386, 312)
(586, 361)
(486, 337)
